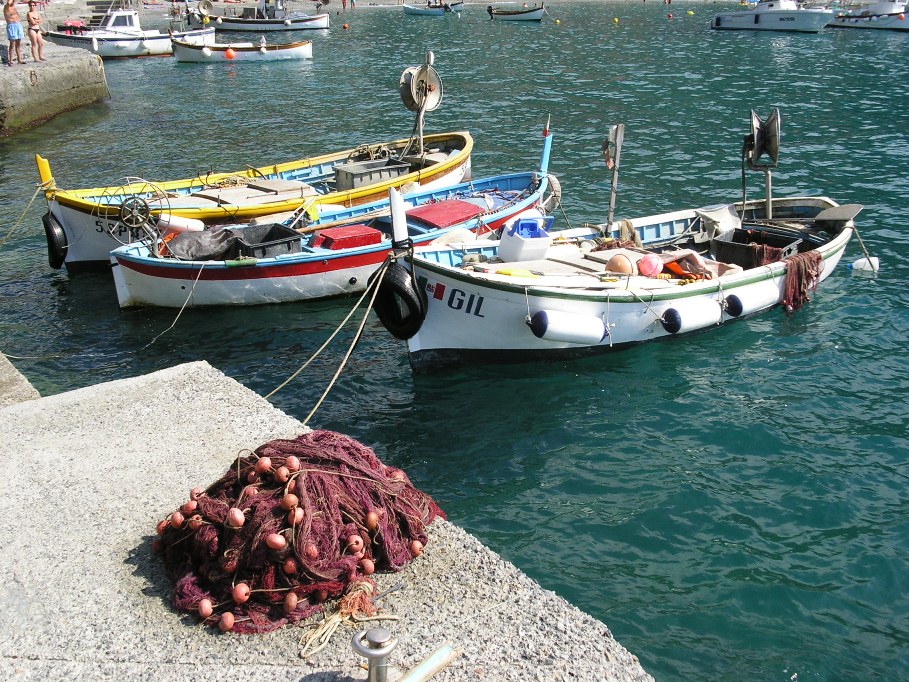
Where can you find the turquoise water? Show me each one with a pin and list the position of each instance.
(732, 505)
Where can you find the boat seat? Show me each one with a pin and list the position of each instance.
(183, 201)
(277, 186)
(245, 195)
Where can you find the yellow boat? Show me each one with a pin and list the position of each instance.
(84, 225)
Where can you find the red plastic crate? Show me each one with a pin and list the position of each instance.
(348, 237)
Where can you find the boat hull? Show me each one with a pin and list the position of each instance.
(800, 21)
(314, 273)
(289, 23)
(532, 14)
(880, 22)
(184, 52)
(415, 11)
(120, 46)
(90, 222)
(486, 319)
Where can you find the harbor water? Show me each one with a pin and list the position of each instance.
(733, 505)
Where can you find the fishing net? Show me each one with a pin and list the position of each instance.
(288, 526)
(803, 272)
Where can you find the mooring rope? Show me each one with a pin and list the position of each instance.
(374, 287)
(40, 188)
(182, 308)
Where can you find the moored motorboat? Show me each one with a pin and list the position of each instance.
(888, 15)
(82, 226)
(265, 16)
(522, 14)
(538, 295)
(774, 15)
(119, 34)
(330, 256)
(242, 52)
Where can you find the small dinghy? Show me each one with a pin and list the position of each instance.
(523, 14)
(242, 52)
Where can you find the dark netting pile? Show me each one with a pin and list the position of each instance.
(287, 527)
(803, 272)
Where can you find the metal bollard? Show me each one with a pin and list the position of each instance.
(378, 645)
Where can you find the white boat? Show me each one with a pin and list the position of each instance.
(120, 34)
(534, 295)
(82, 226)
(887, 15)
(333, 256)
(242, 52)
(774, 15)
(522, 14)
(265, 16)
(433, 9)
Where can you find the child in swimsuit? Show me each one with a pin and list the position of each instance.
(34, 32)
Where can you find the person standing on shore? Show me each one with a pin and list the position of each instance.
(13, 31)
(34, 32)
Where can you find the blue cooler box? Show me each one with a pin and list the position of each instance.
(527, 239)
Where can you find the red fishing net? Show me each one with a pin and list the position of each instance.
(803, 272)
(287, 527)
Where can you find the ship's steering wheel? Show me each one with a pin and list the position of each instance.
(134, 212)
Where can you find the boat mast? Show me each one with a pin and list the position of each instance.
(612, 152)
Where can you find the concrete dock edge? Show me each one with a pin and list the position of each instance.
(91, 471)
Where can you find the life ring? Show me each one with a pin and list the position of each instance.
(399, 305)
(56, 241)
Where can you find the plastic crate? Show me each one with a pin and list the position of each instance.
(267, 241)
(737, 246)
(360, 173)
(348, 237)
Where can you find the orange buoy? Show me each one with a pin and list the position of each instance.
(229, 53)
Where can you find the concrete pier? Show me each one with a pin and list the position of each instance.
(90, 472)
(33, 92)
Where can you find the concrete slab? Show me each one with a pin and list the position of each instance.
(90, 472)
(14, 388)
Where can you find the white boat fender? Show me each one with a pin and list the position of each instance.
(400, 305)
(733, 305)
(94, 44)
(287, 22)
(698, 316)
(559, 326)
(174, 224)
(56, 241)
(206, 51)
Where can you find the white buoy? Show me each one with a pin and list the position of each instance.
(398, 215)
(870, 264)
(206, 51)
(94, 44)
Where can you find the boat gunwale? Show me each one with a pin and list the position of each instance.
(77, 198)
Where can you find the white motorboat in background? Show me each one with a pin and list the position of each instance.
(774, 15)
(264, 16)
(119, 33)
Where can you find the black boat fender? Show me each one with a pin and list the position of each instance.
(56, 241)
(399, 304)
